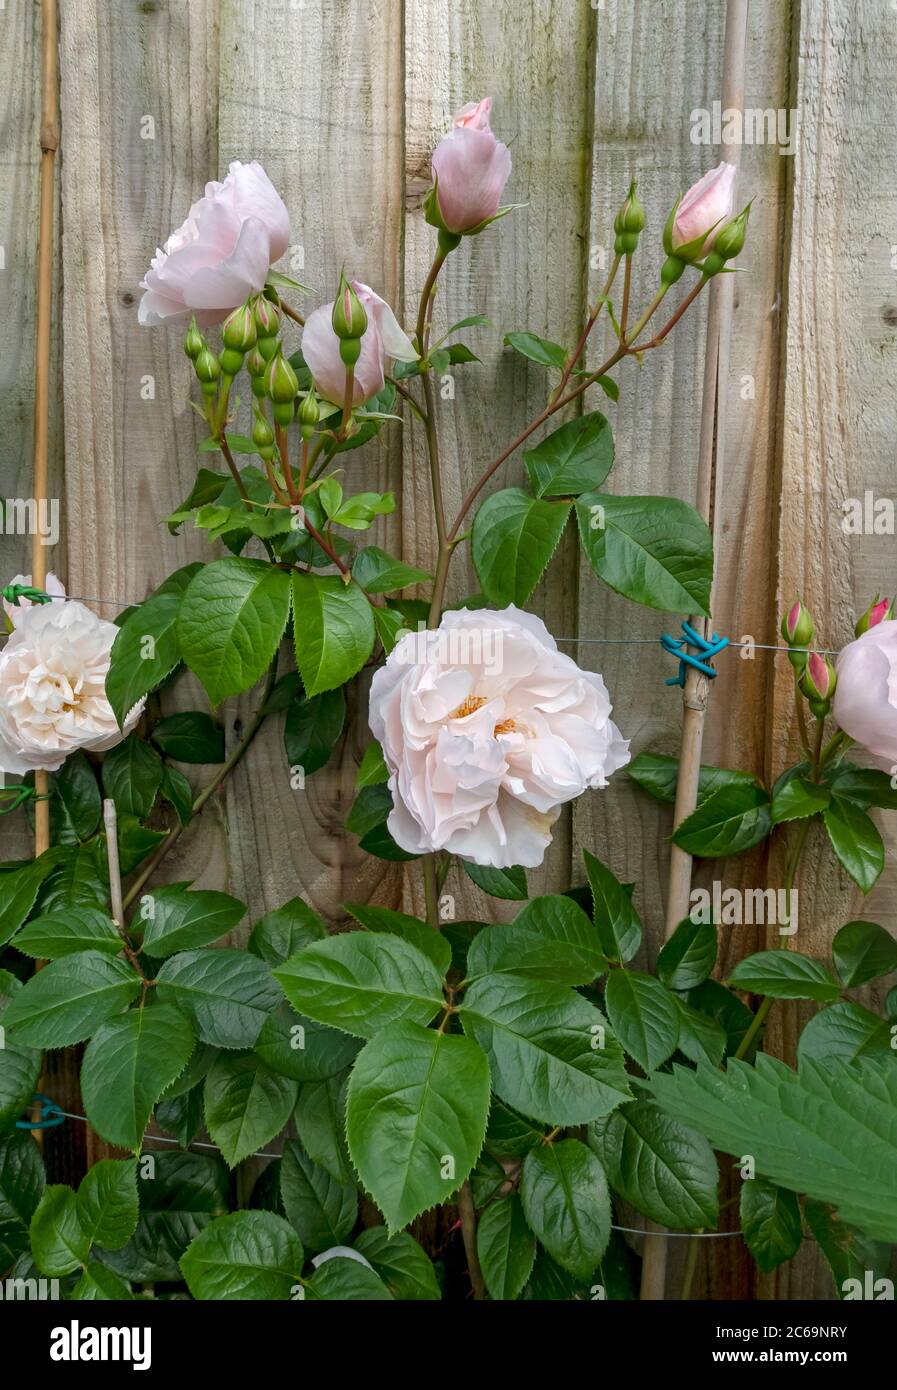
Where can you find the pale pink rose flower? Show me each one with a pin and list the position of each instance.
(471, 168)
(383, 341)
(221, 254)
(865, 704)
(53, 688)
(15, 612)
(705, 207)
(487, 730)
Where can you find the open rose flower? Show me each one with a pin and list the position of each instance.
(52, 688)
(487, 730)
(865, 704)
(16, 612)
(382, 342)
(705, 208)
(471, 168)
(221, 254)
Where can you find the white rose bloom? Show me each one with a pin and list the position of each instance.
(52, 688)
(15, 612)
(487, 730)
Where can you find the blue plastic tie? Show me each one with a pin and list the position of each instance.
(49, 1115)
(707, 649)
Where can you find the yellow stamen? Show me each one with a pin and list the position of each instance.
(469, 706)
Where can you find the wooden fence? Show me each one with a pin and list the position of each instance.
(342, 101)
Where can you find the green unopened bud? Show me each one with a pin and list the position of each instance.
(255, 366)
(350, 350)
(239, 331)
(231, 361)
(268, 347)
(208, 370)
(263, 436)
(880, 610)
(281, 382)
(631, 216)
(267, 317)
(194, 342)
(308, 414)
(729, 240)
(349, 318)
(671, 270)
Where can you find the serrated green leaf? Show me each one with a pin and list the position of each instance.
(846, 1031)
(618, 924)
(76, 804)
(658, 775)
(701, 1039)
(770, 1220)
(19, 1071)
(128, 1064)
(107, 1202)
(190, 737)
(340, 1279)
(550, 939)
(322, 1210)
(70, 999)
(246, 1105)
(856, 841)
(573, 459)
(785, 975)
(372, 770)
(567, 1204)
(64, 933)
(296, 1046)
(132, 775)
(145, 651)
(506, 1247)
(20, 885)
(334, 629)
(730, 820)
(183, 919)
(862, 951)
(643, 1015)
(659, 1165)
(379, 573)
(312, 730)
(509, 884)
(404, 1267)
(654, 550)
(22, 1184)
(537, 349)
(246, 1255)
(227, 993)
(281, 933)
(180, 1197)
(514, 538)
(854, 1261)
(416, 1115)
(58, 1242)
(795, 798)
(321, 1125)
(687, 958)
(232, 618)
(99, 1283)
(412, 929)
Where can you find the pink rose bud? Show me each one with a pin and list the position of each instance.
(818, 683)
(471, 168)
(702, 211)
(879, 611)
(797, 626)
(383, 342)
(865, 705)
(222, 253)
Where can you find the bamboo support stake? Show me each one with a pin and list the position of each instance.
(711, 456)
(49, 143)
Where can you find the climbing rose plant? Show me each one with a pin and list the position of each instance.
(525, 1075)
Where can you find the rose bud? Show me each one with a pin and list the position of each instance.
(262, 434)
(471, 168)
(818, 683)
(866, 698)
(308, 413)
(487, 731)
(267, 317)
(879, 611)
(728, 243)
(208, 370)
(256, 366)
(628, 223)
(383, 342)
(194, 341)
(700, 214)
(222, 253)
(281, 384)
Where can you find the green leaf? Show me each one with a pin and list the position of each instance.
(342, 1280)
(227, 993)
(867, 786)
(725, 1008)
(575, 458)
(770, 1220)
(654, 550)
(372, 769)
(231, 621)
(412, 929)
(506, 1247)
(730, 820)
(245, 1104)
(334, 628)
(796, 798)
(855, 840)
(281, 933)
(76, 804)
(182, 919)
(785, 975)
(361, 983)
(19, 887)
(70, 999)
(178, 792)
(312, 730)
(551, 939)
(296, 1046)
(567, 1204)
(132, 775)
(846, 1031)
(618, 924)
(643, 1016)
(389, 624)
(404, 1267)
(64, 933)
(21, 1187)
(321, 1124)
(701, 1039)
(98, 1282)
(322, 1210)
(135, 842)
(510, 1135)
(247, 1255)
(551, 1053)
(370, 809)
(658, 775)
(862, 951)
(514, 538)
(379, 573)
(58, 1242)
(207, 488)
(660, 1166)
(127, 1066)
(182, 1197)
(851, 1257)
(190, 737)
(416, 1115)
(107, 1202)
(509, 884)
(687, 958)
(537, 349)
(827, 1131)
(20, 1069)
(145, 651)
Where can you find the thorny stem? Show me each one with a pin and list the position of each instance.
(226, 768)
(348, 399)
(627, 284)
(283, 448)
(801, 718)
(235, 472)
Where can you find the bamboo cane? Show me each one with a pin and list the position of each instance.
(49, 143)
(711, 457)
